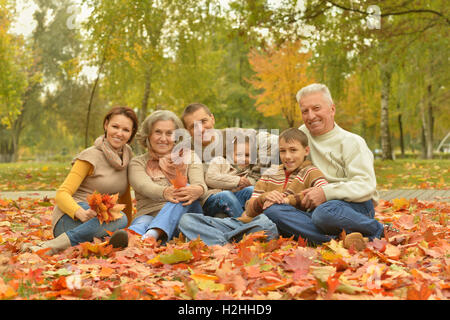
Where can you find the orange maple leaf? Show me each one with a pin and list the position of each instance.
(180, 179)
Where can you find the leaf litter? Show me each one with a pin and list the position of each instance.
(414, 264)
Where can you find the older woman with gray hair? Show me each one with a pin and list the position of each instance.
(160, 201)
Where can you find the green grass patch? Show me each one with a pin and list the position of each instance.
(412, 174)
(32, 175)
(398, 174)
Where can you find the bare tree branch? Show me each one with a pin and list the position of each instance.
(386, 14)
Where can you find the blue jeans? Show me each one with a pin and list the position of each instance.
(167, 219)
(230, 203)
(327, 221)
(221, 231)
(79, 232)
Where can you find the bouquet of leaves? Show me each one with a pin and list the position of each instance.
(106, 206)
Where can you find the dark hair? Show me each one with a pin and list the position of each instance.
(191, 108)
(127, 112)
(294, 134)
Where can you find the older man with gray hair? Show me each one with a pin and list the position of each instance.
(347, 202)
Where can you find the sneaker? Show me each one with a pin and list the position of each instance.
(389, 231)
(119, 239)
(221, 215)
(355, 240)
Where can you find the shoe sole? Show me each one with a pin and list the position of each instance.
(119, 239)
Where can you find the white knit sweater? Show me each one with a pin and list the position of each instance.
(347, 163)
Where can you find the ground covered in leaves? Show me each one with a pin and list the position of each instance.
(415, 264)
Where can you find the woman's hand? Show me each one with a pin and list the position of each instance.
(85, 215)
(169, 195)
(188, 194)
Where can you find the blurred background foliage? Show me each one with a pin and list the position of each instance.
(385, 62)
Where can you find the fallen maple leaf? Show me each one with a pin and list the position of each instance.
(298, 263)
(175, 257)
(422, 294)
(401, 203)
(180, 179)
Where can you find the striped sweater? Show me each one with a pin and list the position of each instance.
(290, 184)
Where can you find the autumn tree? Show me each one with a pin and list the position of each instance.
(16, 79)
(376, 36)
(279, 74)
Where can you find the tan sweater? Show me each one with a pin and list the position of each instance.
(100, 176)
(223, 175)
(218, 148)
(347, 164)
(149, 191)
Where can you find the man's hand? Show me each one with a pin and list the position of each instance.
(313, 197)
(188, 194)
(85, 215)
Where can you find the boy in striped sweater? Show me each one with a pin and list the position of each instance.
(283, 185)
(294, 175)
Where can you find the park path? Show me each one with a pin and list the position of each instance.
(420, 194)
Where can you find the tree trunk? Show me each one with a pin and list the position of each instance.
(6, 147)
(430, 123)
(423, 144)
(145, 98)
(91, 99)
(426, 117)
(142, 113)
(400, 128)
(384, 122)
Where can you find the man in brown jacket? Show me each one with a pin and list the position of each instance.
(229, 187)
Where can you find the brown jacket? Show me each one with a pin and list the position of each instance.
(290, 184)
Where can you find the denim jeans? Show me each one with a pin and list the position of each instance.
(223, 230)
(230, 203)
(327, 221)
(167, 219)
(79, 232)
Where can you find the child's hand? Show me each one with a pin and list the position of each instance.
(267, 204)
(244, 182)
(275, 197)
(245, 218)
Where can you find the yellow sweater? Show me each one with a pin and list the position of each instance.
(80, 170)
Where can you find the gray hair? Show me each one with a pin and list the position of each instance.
(147, 125)
(313, 88)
